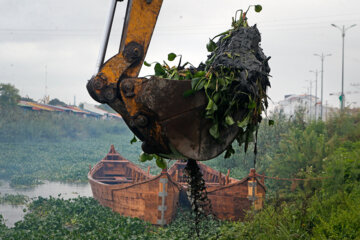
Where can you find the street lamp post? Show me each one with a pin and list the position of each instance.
(316, 78)
(310, 100)
(343, 30)
(322, 57)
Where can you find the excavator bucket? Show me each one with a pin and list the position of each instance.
(169, 123)
(155, 109)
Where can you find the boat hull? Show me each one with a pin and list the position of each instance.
(154, 200)
(121, 185)
(230, 198)
(124, 187)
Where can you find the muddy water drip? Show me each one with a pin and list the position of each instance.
(198, 195)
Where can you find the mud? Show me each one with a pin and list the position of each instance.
(241, 54)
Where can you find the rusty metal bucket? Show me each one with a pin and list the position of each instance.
(168, 123)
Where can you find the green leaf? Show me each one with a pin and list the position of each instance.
(211, 46)
(188, 76)
(145, 157)
(229, 55)
(201, 84)
(244, 122)
(200, 74)
(133, 140)
(229, 120)
(160, 162)
(226, 37)
(211, 60)
(171, 56)
(252, 105)
(271, 122)
(214, 131)
(147, 64)
(211, 105)
(258, 8)
(159, 70)
(194, 82)
(216, 97)
(222, 81)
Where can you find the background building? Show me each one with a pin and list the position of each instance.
(310, 103)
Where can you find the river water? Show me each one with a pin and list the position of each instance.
(13, 214)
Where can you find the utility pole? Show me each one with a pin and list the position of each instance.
(316, 79)
(322, 57)
(326, 110)
(343, 30)
(310, 99)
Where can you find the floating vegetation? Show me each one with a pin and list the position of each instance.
(14, 199)
(85, 218)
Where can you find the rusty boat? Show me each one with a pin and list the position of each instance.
(230, 198)
(127, 189)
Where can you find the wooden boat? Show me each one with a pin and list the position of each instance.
(127, 189)
(230, 198)
(121, 185)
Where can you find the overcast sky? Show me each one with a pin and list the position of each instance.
(58, 42)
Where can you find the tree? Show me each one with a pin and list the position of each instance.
(27, 99)
(9, 95)
(57, 102)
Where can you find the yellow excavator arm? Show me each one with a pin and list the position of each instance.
(169, 124)
(140, 20)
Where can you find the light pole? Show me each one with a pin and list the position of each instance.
(316, 78)
(322, 57)
(310, 99)
(343, 30)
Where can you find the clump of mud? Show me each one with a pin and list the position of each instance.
(239, 54)
(244, 46)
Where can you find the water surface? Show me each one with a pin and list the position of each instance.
(13, 214)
